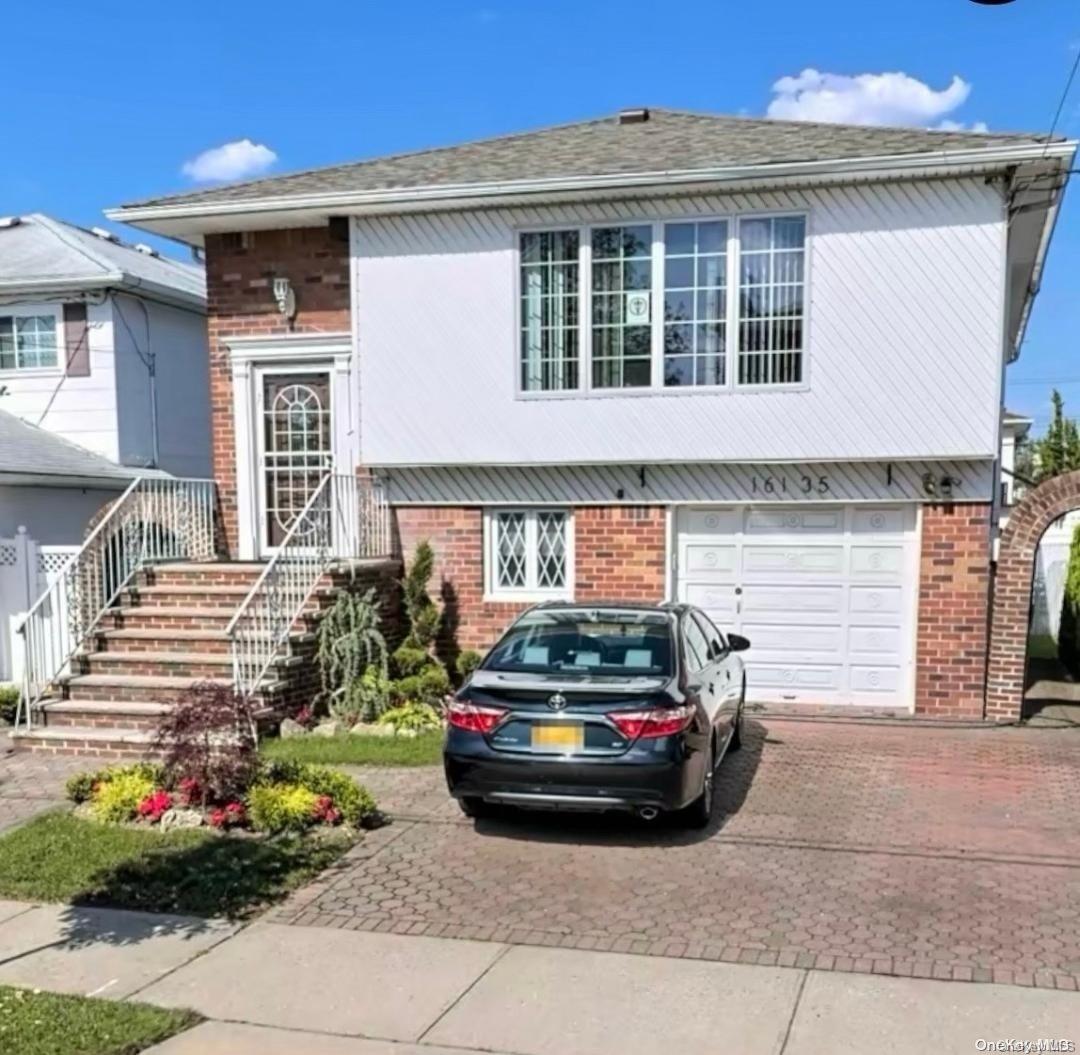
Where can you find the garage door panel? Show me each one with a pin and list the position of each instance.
(791, 561)
(718, 600)
(877, 562)
(780, 680)
(794, 521)
(703, 558)
(885, 681)
(780, 603)
(710, 522)
(875, 642)
(880, 521)
(866, 601)
(813, 641)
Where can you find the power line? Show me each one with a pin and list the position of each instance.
(1061, 104)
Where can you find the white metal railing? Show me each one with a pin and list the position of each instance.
(345, 518)
(155, 519)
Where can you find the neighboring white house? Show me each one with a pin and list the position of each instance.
(1014, 428)
(104, 376)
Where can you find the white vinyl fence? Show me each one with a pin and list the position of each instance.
(27, 569)
(1051, 565)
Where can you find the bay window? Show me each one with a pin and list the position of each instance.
(528, 553)
(27, 342)
(709, 302)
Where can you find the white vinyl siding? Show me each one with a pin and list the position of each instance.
(528, 554)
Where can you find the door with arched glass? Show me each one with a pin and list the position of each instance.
(296, 438)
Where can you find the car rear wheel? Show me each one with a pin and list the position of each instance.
(700, 811)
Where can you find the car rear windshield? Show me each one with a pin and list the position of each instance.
(610, 642)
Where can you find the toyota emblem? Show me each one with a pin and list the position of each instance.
(557, 702)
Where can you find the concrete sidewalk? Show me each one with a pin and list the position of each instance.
(270, 989)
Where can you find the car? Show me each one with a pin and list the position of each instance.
(599, 707)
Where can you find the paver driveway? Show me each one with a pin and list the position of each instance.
(32, 783)
(935, 852)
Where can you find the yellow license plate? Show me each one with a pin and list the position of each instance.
(558, 736)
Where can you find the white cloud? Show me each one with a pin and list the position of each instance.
(865, 99)
(959, 126)
(233, 160)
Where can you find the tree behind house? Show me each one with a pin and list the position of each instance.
(1059, 450)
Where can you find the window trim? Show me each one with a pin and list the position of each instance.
(529, 592)
(731, 386)
(29, 310)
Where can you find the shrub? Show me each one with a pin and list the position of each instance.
(350, 642)
(412, 717)
(1069, 630)
(410, 661)
(9, 704)
(279, 808)
(354, 801)
(428, 687)
(80, 787)
(117, 796)
(364, 700)
(209, 738)
(466, 663)
(421, 611)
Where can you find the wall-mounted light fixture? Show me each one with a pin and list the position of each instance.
(285, 298)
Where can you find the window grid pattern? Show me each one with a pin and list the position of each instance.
(695, 303)
(530, 551)
(27, 342)
(772, 265)
(549, 311)
(621, 264)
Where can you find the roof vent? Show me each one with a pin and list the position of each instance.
(10, 221)
(102, 233)
(634, 116)
(149, 250)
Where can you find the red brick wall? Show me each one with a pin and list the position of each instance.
(619, 555)
(954, 596)
(239, 275)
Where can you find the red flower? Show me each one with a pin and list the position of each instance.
(325, 811)
(189, 791)
(305, 717)
(232, 815)
(154, 805)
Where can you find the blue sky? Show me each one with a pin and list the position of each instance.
(104, 103)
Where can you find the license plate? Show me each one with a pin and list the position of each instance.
(565, 737)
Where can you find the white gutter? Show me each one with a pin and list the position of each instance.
(122, 280)
(343, 200)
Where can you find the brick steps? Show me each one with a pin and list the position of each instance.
(168, 663)
(192, 594)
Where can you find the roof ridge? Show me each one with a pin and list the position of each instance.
(56, 226)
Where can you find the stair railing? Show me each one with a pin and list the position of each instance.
(155, 519)
(345, 518)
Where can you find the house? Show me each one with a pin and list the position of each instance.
(754, 365)
(103, 378)
(1014, 430)
(104, 344)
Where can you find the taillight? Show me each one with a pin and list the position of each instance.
(473, 717)
(655, 722)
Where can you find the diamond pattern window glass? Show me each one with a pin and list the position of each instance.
(27, 342)
(529, 552)
(549, 311)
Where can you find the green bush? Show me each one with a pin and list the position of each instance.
(363, 699)
(410, 661)
(9, 704)
(277, 808)
(412, 717)
(423, 615)
(119, 793)
(354, 802)
(1069, 631)
(429, 687)
(466, 663)
(80, 787)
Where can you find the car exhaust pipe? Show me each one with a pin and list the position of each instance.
(648, 813)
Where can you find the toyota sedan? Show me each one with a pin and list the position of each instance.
(609, 707)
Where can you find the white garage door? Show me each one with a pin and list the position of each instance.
(826, 595)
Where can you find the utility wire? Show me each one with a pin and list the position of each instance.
(1061, 104)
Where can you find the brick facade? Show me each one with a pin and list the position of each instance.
(240, 270)
(619, 555)
(953, 613)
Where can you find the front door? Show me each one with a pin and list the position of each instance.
(296, 447)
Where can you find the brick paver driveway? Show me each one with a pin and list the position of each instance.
(946, 853)
(31, 783)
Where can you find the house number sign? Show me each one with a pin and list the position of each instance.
(782, 484)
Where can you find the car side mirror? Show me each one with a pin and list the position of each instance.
(738, 643)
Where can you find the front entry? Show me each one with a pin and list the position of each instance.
(295, 447)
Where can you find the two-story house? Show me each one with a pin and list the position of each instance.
(751, 364)
(103, 378)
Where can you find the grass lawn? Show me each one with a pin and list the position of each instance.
(59, 857)
(1042, 646)
(425, 750)
(51, 1024)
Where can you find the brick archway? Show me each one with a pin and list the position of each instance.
(1012, 590)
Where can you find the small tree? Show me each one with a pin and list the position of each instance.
(420, 609)
(352, 656)
(1069, 630)
(209, 737)
(1059, 450)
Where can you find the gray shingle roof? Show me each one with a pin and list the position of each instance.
(40, 249)
(26, 450)
(669, 139)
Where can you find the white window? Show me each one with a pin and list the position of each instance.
(710, 303)
(28, 341)
(529, 553)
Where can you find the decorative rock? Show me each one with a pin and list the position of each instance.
(181, 818)
(371, 729)
(290, 729)
(330, 728)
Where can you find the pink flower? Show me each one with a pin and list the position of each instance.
(154, 805)
(325, 811)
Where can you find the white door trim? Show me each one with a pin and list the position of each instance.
(249, 357)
